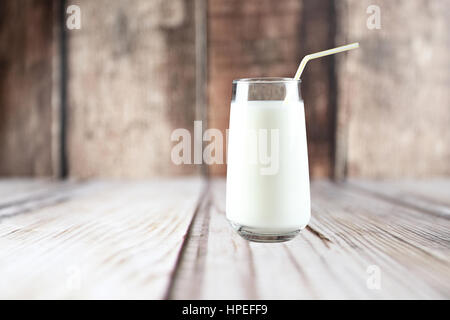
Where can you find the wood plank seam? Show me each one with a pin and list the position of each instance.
(195, 241)
(320, 235)
(40, 201)
(26, 199)
(236, 255)
(368, 192)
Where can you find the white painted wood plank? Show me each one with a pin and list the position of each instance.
(122, 240)
(222, 265)
(412, 249)
(228, 271)
(431, 195)
(188, 275)
(349, 233)
(13, 190)
(305, 268)
(42, 195)
(216, 261)
(119, 240)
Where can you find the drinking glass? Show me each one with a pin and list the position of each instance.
(267, 194)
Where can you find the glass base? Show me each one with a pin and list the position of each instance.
(263, 235)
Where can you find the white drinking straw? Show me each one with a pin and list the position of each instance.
(312, 56)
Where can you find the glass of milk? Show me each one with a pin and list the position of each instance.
(268, 197)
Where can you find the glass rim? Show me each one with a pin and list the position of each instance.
(267, 80)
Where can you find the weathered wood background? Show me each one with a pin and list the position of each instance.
(394, 97)
(267, 38)
(26, 60)
(131, 82)
(136, 72)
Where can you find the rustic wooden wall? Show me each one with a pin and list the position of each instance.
(131, 81)
(261, 38)
(317, 33)
(394, 96)
(26, 73)
(137, 71)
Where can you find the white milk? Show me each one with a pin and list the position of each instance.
(265, 194)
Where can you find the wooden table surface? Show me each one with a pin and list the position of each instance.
(170, 239)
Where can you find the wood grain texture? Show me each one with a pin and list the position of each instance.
(394, 99)
(14, 189)
(104, 240)
(410, 247)
(16, 192)
(26, 84)
(267, 38)
(349, 232)
(431, 195)
(170, 239)
(131, 82)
